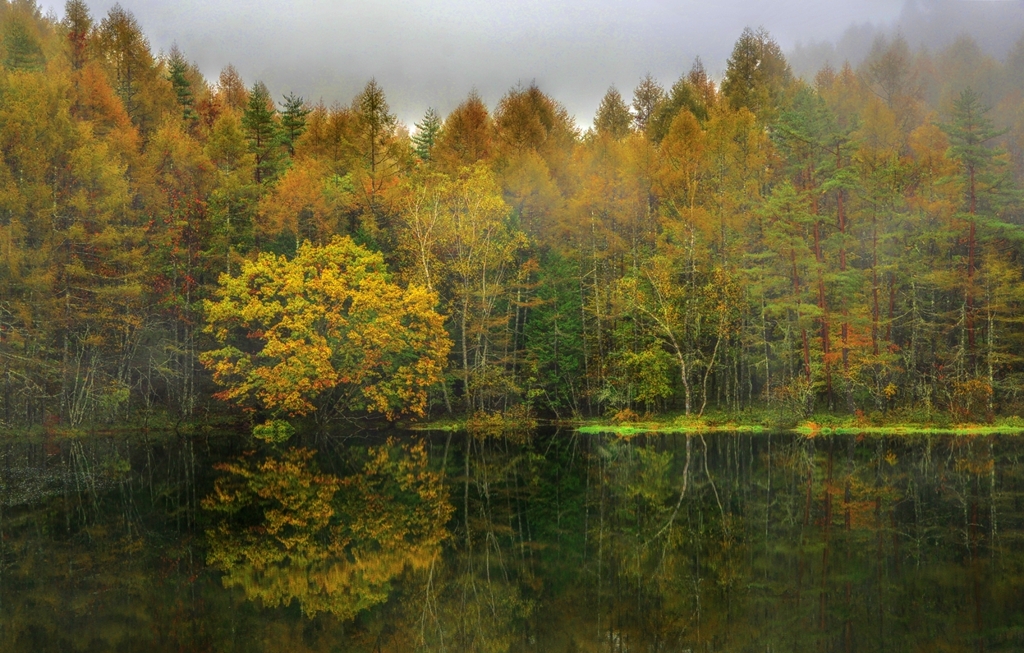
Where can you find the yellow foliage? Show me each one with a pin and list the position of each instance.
(324, 328)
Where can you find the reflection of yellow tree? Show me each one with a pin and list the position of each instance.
(333, 544)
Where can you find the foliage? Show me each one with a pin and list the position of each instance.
(291, 532)
(326, 330)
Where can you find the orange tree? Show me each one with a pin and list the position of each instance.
(325, 331)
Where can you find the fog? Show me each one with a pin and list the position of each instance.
(433, 53)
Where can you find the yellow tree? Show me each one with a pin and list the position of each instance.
(456, 232)
(325, 331)
(304, 203)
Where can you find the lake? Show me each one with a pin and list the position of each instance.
(525, 541)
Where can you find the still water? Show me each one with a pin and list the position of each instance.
(543, 541)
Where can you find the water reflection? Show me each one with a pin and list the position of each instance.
(492, 541)
(333, 544)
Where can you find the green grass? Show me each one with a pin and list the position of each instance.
(808, 428)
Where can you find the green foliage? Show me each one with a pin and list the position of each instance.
(261, 131)
(757, 74)
(21, 47)
(427, 132)
(177, 71)
(273, 431)
(293, 121)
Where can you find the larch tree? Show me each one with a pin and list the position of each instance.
(647, 96)
(613, 115)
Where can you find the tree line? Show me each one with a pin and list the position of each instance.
(849, 243)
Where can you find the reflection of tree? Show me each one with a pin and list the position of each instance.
(333, 544)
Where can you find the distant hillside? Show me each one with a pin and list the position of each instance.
(932, 24)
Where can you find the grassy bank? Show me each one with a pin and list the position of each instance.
(819, 424)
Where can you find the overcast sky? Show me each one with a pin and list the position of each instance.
(433, 52)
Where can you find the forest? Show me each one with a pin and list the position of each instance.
(175, 248)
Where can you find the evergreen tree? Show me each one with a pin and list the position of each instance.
(757, 74)
(427, 132)
(984, 182)
(23, 50)
(260, 123)
(177, 73)
(293, 121)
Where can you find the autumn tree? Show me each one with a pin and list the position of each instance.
(647, 96)
(327, 332)
(78, 22)
(466, 137)
(21, 45)
(231, 89)
(382, 153)
(124, 50)
(613, 116)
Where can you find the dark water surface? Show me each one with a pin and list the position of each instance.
(546, 541)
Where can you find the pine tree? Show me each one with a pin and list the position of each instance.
(293, 121)
(23, 49)
(757, 74)
(177, 73)
(260, 123)
(969, 132)
(427, 132)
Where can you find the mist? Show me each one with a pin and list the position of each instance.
(432, 54)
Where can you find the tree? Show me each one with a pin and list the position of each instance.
(177, 73)
(613, 116)
(231, 89)
(260, 123)
(647, 96)
(683, 95)
(467, 136)
(458, 233)
(382, 153)
(125, 51)
(757, 74)
(293, 121)
(78, 23)
(22, 47)
(969, 132)
(326, 331)
(426, 134)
